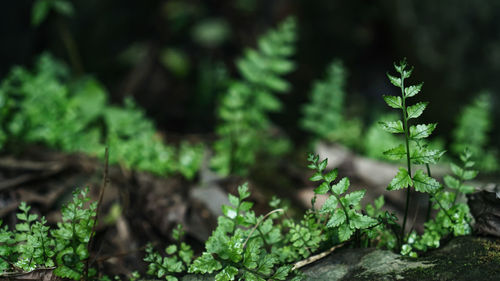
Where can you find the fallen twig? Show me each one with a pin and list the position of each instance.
(317, 257)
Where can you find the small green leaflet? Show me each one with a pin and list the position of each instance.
(341, 186)
(359, 221)
(470, 174)
(426, 156)
(337, 219)
(353, 198)
(205, 264)
(456, 170)
(422, 131)
(413, 90)
(394, 80)
(331, 176)
(451, 182)
(466, 189)
(323, 188)
(395, 127)
(229, 212)
(401, 180)
(424, 183)
(282, 272)
(400, 67)
(227, 274)
(396, 153)
(316, 177)
(393, 101)
(322, 165)
(345, 232)
(329, 205)
(235, 201)
(416, 110)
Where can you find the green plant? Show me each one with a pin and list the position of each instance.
(377, 141)
(324, 116)
(233, 252)
(34, 245)
(342, 209)
(45, 106)
(41, 9)
(386, 232)
(179, 259)
(418, 153)
(473, 126)
(243, 128)
(453, 217)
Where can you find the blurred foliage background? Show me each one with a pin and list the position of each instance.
(173, 56)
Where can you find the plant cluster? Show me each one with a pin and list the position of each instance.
(453, 217)
(180, 257)
(243, 129)
(324, 116)
(245, 246)
(33, 245)
(45, 106)
(473, 126)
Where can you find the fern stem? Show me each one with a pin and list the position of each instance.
(444, 210)
(343, 208)
(407, 142)
(457, 191)
(429, 202)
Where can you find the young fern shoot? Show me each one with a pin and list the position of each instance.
(414, 150)
(341, 208)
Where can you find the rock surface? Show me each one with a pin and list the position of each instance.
(463, 258)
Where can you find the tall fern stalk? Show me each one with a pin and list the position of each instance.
(403, 74)
(415, 149)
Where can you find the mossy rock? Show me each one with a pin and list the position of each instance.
(463, 258)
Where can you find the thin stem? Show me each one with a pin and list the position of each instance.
(343, 208)
(71, 47)
(444, 210)
(258, 223)
(429, 202)
(407, 142)
(457, 191)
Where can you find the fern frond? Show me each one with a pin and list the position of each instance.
(243, 111)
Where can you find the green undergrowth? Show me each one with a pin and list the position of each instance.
(33, 245)
(46, 106)
(245, 245)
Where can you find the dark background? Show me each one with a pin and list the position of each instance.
(453, 44)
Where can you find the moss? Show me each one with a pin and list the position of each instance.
(464, 258)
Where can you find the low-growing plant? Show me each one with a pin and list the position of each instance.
(47, 107)
(342, 209)
(248, 247)
(453, 217)
(33, 245)
(243, 129)
(179, 259)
